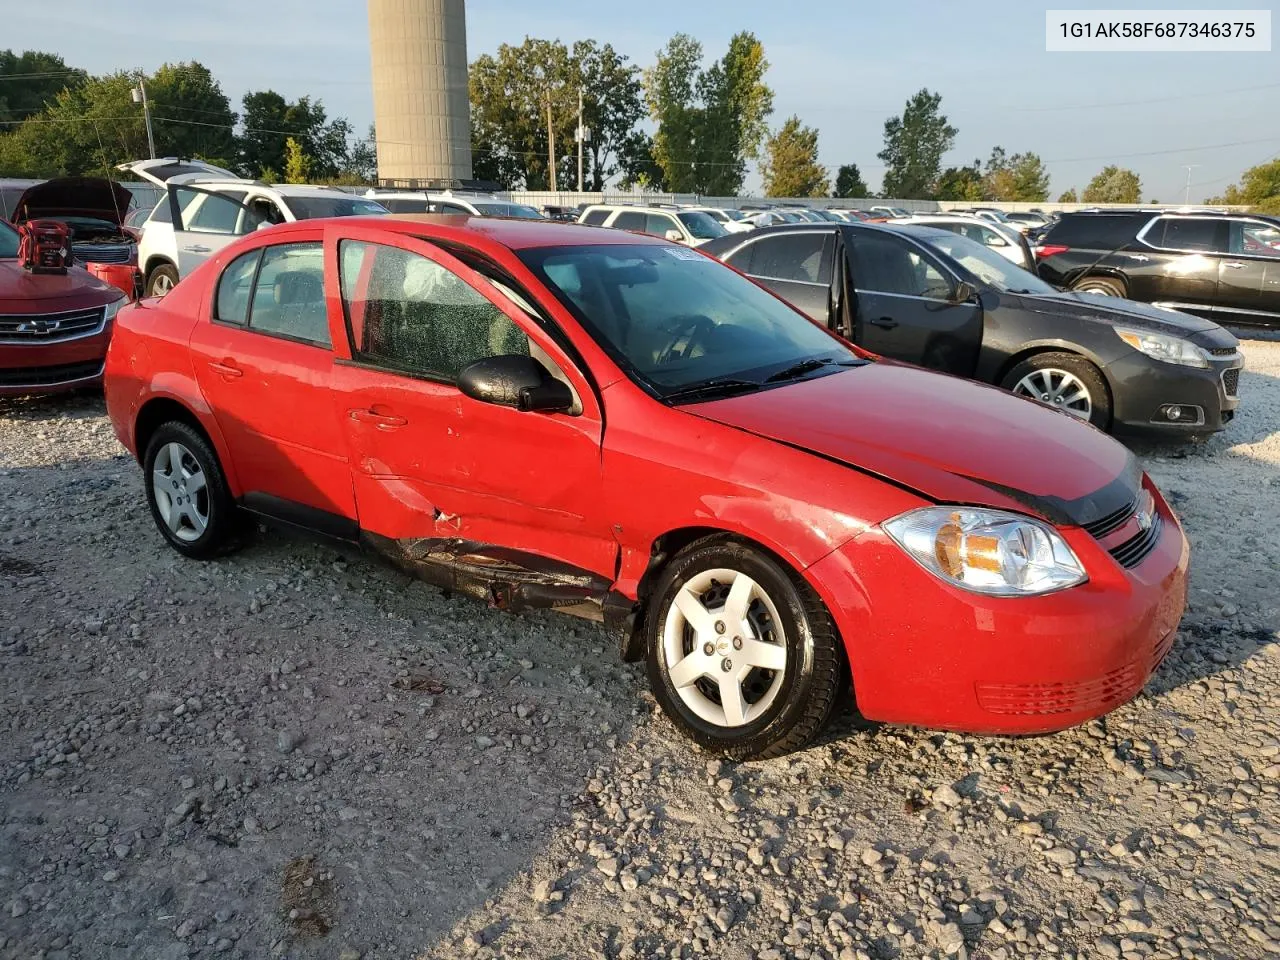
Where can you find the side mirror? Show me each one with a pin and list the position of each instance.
(516, 381)
(994, 241)
(675, 236)
(963, 292)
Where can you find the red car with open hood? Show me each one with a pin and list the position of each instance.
(54, 328)
(553, 415)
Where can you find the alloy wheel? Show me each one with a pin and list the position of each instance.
(724, 647)
(180, 490)
(161, 285)
(1057, 388)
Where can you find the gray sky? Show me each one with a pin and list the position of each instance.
(842, 67)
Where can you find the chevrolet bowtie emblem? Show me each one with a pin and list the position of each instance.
(39, 327)
(1144, 521)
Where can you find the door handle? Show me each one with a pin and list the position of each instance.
(1234, 265)
(884, 323)
(225, 368)
(196, 248)
(383, 421)
(1141, 257)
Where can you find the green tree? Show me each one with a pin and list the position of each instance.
(1068, 196)
(30, 80)
(1113, 185)
(191, 116)
(270, 120)
(790, 166)
(1018, 177)
(710, 122)
(297, 165)
(611, 106)
(636, 163)
(961, 183)
(1259, 189)
(913, 147)
(362, 162)
(849, 182)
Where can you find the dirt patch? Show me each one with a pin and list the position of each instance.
(307, 896)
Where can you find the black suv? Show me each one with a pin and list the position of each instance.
(1225, 267)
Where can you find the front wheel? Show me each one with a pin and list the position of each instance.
(1066, 382)
(742, 654)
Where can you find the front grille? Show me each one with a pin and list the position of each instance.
(49, 376)
(1223, 351)
(1134, 550)
(49, 327)
(101, 252)
(1112, 521)
(1162, 648)
(1231, 381)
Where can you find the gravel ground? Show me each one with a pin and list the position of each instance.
(297, 752)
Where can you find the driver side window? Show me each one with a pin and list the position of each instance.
(886, 264)
(408, 313)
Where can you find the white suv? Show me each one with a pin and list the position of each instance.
(204, 208)
(693, 228)
(471, 204)
(733, 221)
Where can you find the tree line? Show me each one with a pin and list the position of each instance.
(680, 126)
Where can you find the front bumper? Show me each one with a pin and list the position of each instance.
(927, 654)
(1144, 391)
(56, 367)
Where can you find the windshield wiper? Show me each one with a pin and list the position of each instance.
(807, 366)
(715, 387)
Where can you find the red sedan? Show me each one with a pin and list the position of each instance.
(552, 415)
(54, 328)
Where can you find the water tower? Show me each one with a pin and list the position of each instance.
(420, 102)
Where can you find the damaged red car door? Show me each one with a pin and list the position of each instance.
(440, 479)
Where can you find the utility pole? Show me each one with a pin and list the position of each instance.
(582, 134)
(139, 94)
(1187, 199)
(551, 146)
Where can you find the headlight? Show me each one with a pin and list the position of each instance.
(113, 308)
(1163, 347)
(987, 551)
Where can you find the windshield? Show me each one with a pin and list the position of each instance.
(310, 208)
(701, 226)
(8, 241)
(987, 266)
(734, 214)
(675, 319)
(509, 210)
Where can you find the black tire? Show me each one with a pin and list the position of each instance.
(1103, 285)
(811, 680)
(166, 273)
(223, 521)
(1080, 368)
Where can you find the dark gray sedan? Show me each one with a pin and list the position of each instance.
(941, 300)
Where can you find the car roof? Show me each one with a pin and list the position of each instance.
(513, 234)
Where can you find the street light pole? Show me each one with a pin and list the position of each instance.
(579, 138)
(139, 94)
(1187, 198)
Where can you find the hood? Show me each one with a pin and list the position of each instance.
(1114, 311)
(74, 197)
(23, 292)
(947, 439)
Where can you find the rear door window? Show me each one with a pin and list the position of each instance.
(1096, 231)
(630, 220)
(217, 213)
(1188, 233)
(792, 256)
(235, 287)
(288, 294)
(595, 218)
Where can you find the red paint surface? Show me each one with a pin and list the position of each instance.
(408, 458)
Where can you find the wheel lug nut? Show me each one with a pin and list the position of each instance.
(727, 665)
(708, 648)
(720, 627)
(737, 643)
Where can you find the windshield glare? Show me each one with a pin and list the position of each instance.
(8, 241)
(673, 318)
(701, 226)
(309, 208)
(986, 265)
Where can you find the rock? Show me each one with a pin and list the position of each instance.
(871, 856)
(18, 908)
(288, 741)
(946, 796)
(1063, 856)
(724, 919)
(609, 866)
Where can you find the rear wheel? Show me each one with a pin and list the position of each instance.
(742, 655)
(1066, 382)
(187, 493)
(161, 280)
(1101, 285)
